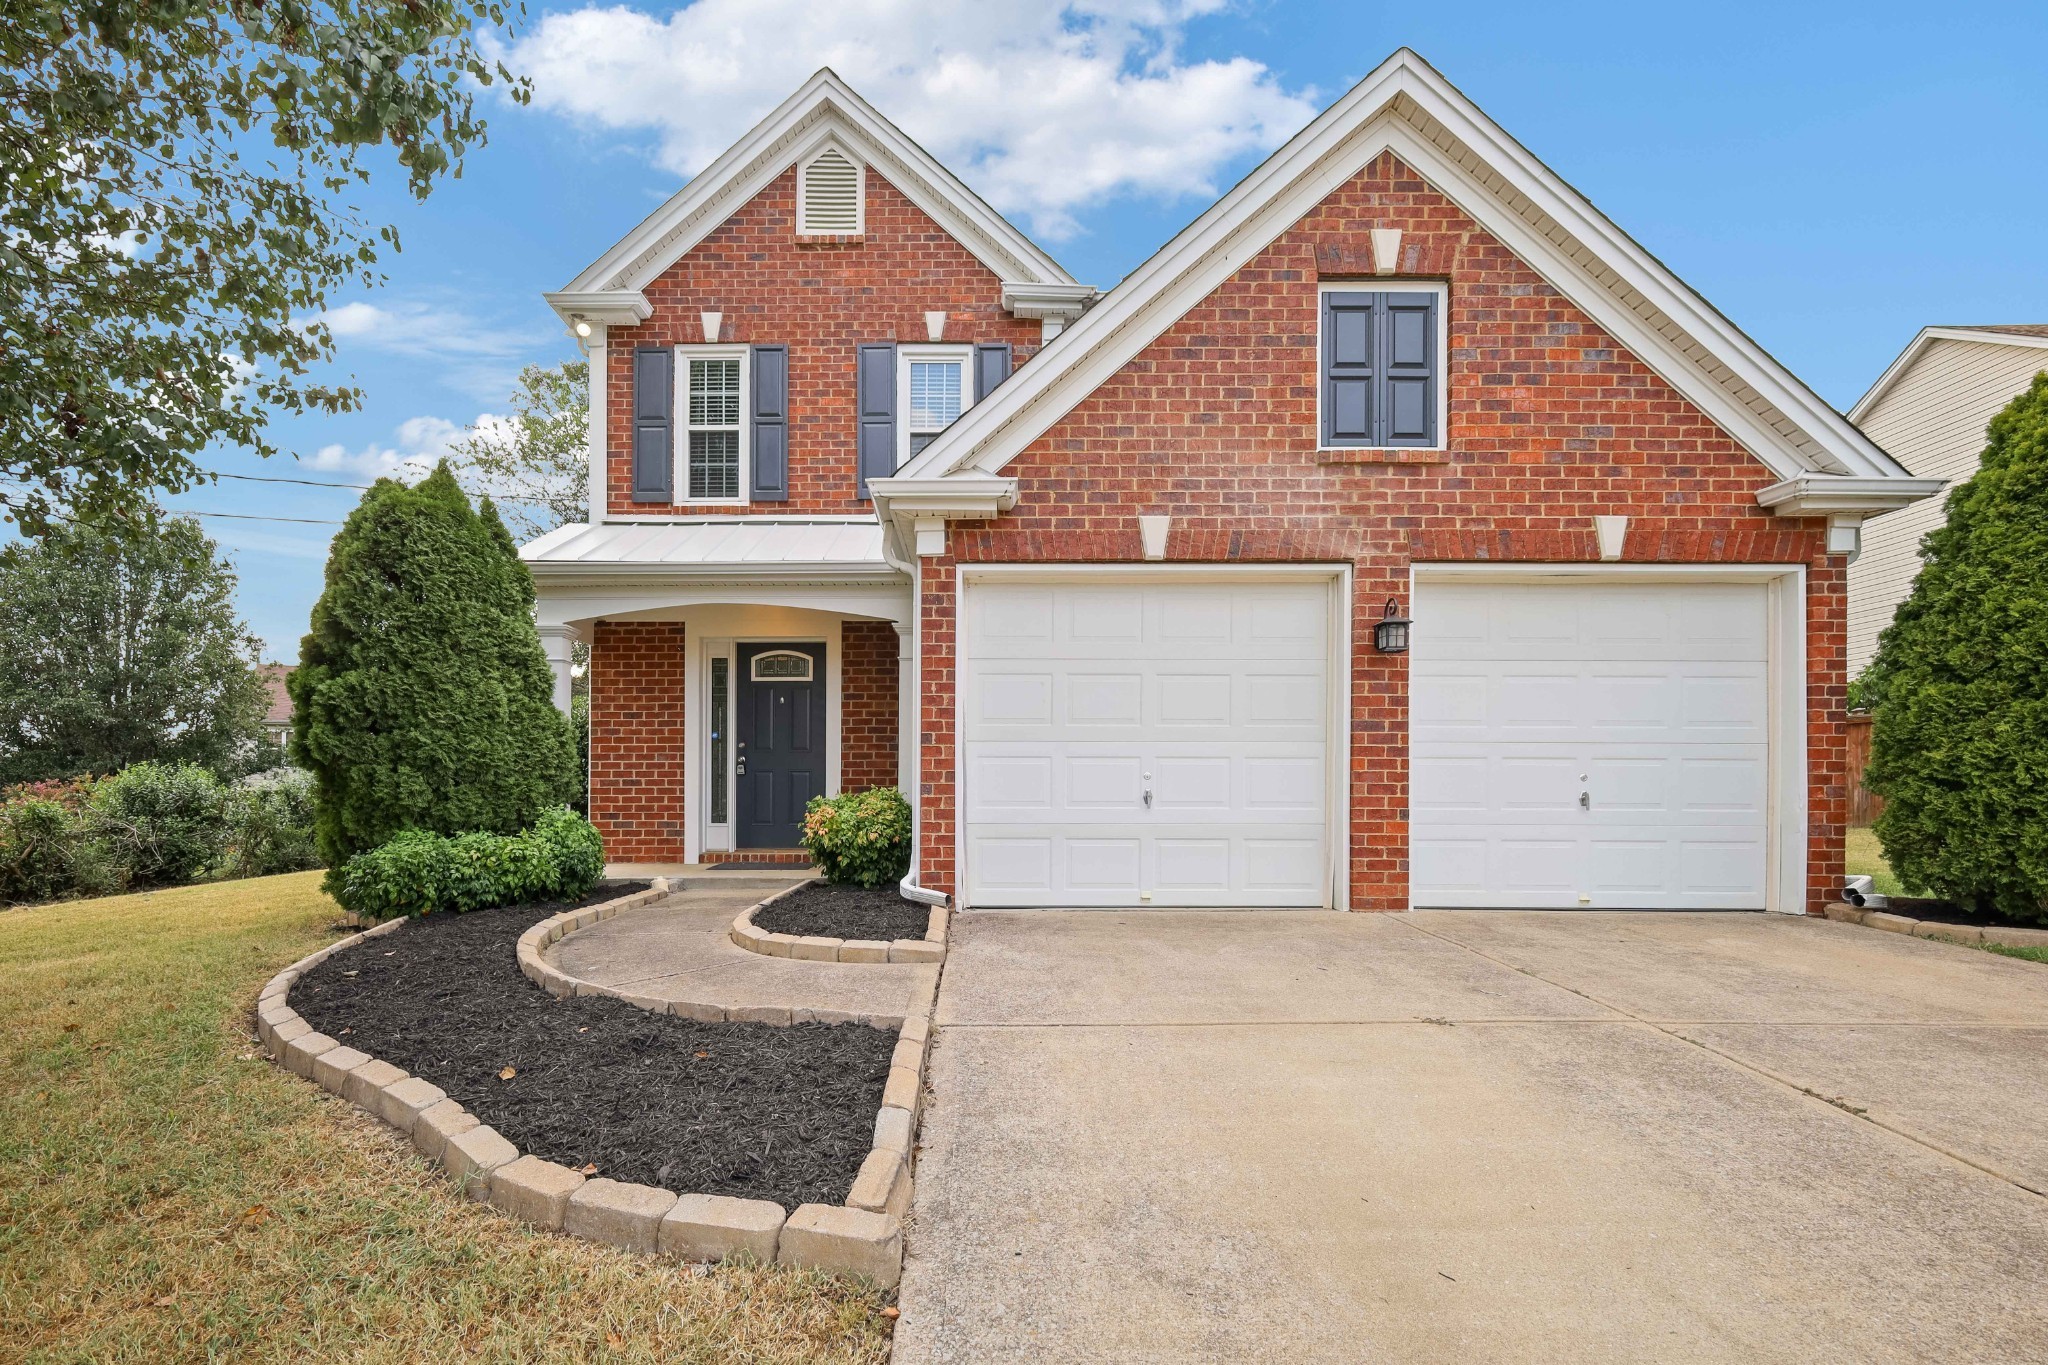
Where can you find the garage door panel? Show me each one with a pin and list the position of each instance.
(1081, 697)
(1651, 699)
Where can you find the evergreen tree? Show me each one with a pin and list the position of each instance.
(423, 700)
(1959, 688)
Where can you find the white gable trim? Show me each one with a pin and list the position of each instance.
(824, 109)
(1917, 347)
(1408, 108)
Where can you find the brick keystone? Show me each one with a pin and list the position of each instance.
(535, 1190)
(470, 1157)
(618, 1213)
(712, 1227)
(855, 1241)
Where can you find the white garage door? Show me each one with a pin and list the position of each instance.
(1145, 743)
(1589, 744)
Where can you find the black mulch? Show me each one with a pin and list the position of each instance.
(751, 1110)
(1948, 912)
(830, 911)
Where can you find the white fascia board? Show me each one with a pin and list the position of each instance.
(1814, 495)
(605, 307)
(1375, 116)
(958, 497)
(823, 108)
(816, 571)
(1036, 302)
(1927, 336)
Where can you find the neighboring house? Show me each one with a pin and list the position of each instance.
(1110, 620)
(277, 720)
(1929, 410)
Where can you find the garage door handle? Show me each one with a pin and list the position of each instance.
(1148, 797)
(1585, 800)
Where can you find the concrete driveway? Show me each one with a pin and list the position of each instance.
(1279, 1136)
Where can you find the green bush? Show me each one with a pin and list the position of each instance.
(860, 837)
(270, 824)
(420, 873)
(1958, 691)
(153, 824)
(36, 837)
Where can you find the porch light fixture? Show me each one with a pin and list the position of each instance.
(1390, 636)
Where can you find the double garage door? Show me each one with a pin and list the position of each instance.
(1160, 742)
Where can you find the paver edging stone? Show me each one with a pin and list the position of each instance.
(817, 948)
(1974, 934)
(864, 1238)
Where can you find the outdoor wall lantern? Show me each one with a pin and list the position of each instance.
(1390, 636)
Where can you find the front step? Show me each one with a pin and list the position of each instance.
(757, 857)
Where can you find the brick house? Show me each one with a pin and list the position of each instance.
(1400, 534)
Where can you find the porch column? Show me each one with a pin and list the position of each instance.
(558, 643)
(906, 710)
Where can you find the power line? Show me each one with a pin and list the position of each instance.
(274, 478)
(245, 516)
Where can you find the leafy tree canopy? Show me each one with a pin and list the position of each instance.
(121, 649)
(423, 700)
(535, 463)
(173, 218)
(1959, 688)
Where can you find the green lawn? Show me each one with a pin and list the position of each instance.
(170, 1195)
(1865, 858)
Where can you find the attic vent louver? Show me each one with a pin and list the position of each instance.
(828, 194)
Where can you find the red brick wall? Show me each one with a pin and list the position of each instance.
(1551, 421)
(822, 297)
(867, 705)
(636, 740)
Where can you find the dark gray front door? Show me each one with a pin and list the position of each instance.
(780, 759)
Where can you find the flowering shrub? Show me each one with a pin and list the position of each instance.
(860, 837)
(416, 873)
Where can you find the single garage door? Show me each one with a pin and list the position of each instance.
(1147, 742)
(1589, 743)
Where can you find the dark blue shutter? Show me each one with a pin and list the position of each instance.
(991, 367)
(771, 425)
(654, 424)
(1381, 369)
(1409, 370)
(1349, 337)
(875, 395)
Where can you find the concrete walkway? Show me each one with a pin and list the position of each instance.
(678, 950)
(1303, 1137)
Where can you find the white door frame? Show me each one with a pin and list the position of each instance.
(1337, 689)
(1785, 641)
(699, 834)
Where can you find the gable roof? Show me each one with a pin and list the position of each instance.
(2030, 334)
(1407, 107)
(824, 110)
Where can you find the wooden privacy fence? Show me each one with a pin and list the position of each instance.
(1864, 804)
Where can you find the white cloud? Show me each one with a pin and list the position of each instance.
(419, 329)
(1046, 109)
(420, 442)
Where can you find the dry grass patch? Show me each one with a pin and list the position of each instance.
(170, 1195)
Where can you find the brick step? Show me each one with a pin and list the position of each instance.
(756, 857)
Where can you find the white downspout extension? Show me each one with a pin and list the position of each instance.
(909, 688)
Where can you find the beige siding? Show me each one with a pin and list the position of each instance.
(1932, 421)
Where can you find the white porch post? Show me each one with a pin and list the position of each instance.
(558, 643)
(906, 710)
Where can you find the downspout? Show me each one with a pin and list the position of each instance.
(909, 887)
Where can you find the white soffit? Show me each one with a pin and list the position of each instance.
(1407, 107)
(1894, 372)
(733, 546)
(824, 109)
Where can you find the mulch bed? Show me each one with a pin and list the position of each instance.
(751, 1110)
(829, 911)
(1948, 912)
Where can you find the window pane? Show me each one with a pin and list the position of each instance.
(934, 393)
(714, 393)
(921, 440)
(714, 464)
(719, 708)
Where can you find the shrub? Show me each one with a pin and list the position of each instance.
(270, 823)
(860, 837)
(422, 700)
(1959, 688)
(36, 837)
(152, 824)
(420, 873)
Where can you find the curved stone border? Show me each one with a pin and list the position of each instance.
(862, 1237)
(1978, 934)
(817, 948)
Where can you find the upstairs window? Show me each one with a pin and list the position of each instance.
(934, 391)
(1382, 366)
(713, 424)
(829, 194)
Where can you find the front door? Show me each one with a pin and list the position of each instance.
(780, 756)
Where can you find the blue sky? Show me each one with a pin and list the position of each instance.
(1831, 176)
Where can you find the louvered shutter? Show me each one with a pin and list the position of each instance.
(875, 386)
(991, 367)
(770, 425)
(654, 424)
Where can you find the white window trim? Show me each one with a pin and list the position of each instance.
(1381, 284)
(905, 355)
(681, 475)
(860, 189)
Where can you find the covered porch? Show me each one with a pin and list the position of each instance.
(737, 668)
